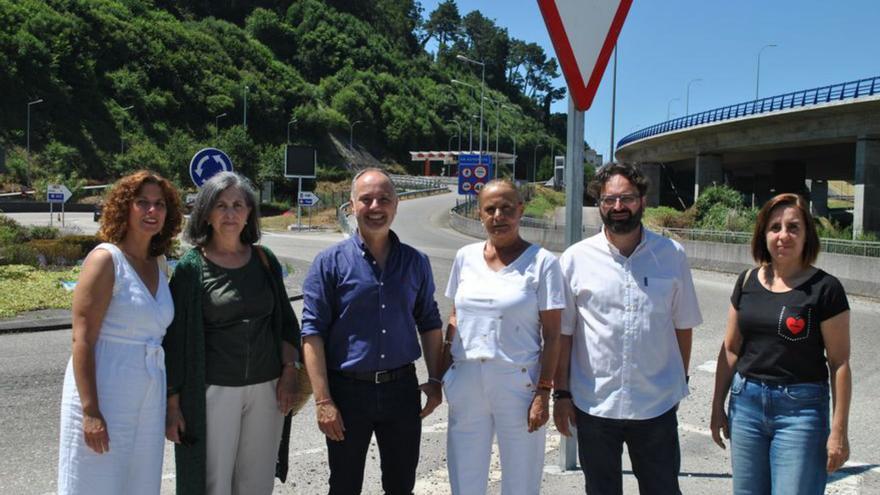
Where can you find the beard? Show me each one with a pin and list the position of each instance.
(622, 225)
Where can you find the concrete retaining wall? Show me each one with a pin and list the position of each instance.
(860, 275)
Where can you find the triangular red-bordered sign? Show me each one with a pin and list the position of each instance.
(583, 33)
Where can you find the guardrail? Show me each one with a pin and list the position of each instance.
(837, 246)
(342, 210)
(808, 97)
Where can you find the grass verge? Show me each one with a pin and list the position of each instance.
(26, 288)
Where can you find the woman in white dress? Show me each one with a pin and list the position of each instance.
(503, 336)
(113, 403)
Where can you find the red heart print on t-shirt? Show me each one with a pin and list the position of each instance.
(796, 325)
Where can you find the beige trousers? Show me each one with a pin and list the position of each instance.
(243, 433)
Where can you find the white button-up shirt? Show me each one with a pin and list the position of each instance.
(498, 311)
(622, 313)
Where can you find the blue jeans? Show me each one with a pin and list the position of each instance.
(777, 437)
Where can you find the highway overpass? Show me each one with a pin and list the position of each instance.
(794, 142)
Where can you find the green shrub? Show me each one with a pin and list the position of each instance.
(12, 232)
(56, 251)
(85, 242)
(19, 254)
(666, 217)
(332, 174)
(725, 196)
(43, 232)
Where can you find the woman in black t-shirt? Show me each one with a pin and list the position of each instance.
(788, 325)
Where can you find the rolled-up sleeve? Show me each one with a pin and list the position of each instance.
(426, 313)
(318, 288)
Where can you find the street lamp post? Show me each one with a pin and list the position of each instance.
(217, 121)
(497, 129)
(758, 71)
(482, 84)
(535, 163)
(669, 106)
(244, 115)
(292, 121)
(122, 131)
(28, 172)
(513, 135)
(687, 99)
(459, 132)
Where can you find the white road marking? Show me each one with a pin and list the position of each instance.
(708, 366)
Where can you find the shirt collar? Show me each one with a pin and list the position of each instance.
(613, 248)
(362, 246)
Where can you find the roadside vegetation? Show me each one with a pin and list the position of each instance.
(128, 84)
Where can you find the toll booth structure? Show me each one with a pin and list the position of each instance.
(449, 159)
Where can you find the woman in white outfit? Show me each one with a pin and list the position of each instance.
(113, 404)
(503, 337)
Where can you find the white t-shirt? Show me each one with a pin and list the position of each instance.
(622, 313)
(497, 312)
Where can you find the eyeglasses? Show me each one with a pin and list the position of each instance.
(625, 200)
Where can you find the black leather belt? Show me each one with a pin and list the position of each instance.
(377, 376)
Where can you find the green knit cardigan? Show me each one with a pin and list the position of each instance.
(184, 345)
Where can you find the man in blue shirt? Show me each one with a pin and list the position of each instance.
(366, 299)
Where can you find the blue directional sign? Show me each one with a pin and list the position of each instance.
(207, 163)
(56, 198)
(473, 173)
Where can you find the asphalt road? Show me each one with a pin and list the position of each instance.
(32, 367)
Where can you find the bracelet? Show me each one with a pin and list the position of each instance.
(545, 384)
(435, 380)
(323, 401)
(447, 342)
(296, 364)
(561, 394)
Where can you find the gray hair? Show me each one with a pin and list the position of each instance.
(370, 169)
(199, 230)
(502, 183)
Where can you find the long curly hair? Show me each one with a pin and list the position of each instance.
(117, 206)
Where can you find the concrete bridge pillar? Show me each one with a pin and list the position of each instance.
(866, 212)
(708, 172)
(651, 171)
(818, 197)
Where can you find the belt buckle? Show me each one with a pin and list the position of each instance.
(377, 380)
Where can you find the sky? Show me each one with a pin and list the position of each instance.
(665, 44)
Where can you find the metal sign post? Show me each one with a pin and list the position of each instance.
(300, 162)
(584, 35)
(57, 193)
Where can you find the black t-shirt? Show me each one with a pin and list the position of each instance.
(782, 341)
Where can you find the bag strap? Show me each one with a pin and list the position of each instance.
(162, 261)
(262, 254)
(746, 278)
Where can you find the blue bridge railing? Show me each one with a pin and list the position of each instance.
(824, 94)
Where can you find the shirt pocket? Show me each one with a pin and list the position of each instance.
(658, 294)
(795, 323)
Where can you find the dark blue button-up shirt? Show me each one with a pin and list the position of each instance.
(369, 318)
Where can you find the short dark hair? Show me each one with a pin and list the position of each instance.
(629, 171)
(116, 208)
(198, 230)
(759, 239)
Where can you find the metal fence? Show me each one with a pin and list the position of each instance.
(837, 246)
(824, 94)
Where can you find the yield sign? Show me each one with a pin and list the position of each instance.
(584, 33)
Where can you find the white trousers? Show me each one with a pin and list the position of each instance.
(489, 398)
(243, 433)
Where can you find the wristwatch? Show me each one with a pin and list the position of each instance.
(561, 394)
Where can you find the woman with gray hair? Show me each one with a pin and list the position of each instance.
(232, 350)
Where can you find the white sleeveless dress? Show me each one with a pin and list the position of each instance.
(130, 373)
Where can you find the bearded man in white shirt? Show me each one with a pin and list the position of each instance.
(626, 343)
